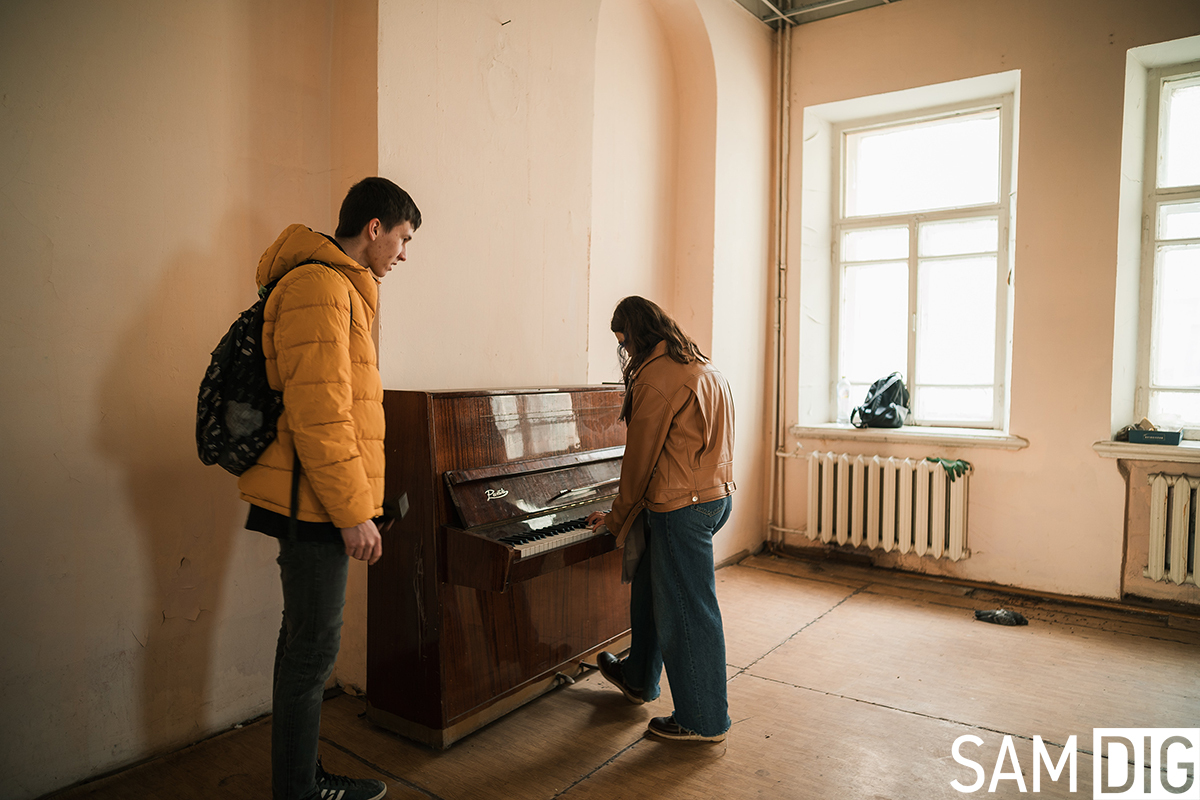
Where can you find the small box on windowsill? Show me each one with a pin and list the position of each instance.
(1154, 437)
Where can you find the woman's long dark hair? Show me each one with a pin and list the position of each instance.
(644, 325)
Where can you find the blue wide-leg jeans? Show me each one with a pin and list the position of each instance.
(314, 592)
(675, 620)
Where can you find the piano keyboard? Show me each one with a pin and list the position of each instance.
(531, 542)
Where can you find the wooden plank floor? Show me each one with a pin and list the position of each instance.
(844, 682)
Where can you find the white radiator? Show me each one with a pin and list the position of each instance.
(1172, 528)
(888, 504)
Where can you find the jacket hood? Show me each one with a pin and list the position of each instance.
(299, 243)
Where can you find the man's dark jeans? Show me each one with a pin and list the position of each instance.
(314, 592)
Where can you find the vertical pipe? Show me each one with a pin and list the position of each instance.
(776, 501)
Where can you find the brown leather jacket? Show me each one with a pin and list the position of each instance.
(679, 448)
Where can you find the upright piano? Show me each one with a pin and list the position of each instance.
(490, 590)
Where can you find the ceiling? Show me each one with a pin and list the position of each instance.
(798, 12)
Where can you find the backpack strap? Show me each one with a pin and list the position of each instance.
(891, 381)
(295, 506)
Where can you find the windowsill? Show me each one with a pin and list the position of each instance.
(1187, 451)
(945, 437)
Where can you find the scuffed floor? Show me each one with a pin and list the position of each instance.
(844, 682)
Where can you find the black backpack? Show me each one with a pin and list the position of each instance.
(237, 409)
(885, 406)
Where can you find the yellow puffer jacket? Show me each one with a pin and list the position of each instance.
(319, 351)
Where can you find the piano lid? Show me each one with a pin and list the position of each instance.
(516, 490)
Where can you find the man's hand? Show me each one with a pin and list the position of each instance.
(363, 542)
(595, 519)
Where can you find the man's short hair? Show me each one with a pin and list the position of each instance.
(375, 198)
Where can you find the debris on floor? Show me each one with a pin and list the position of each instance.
(1002, 616)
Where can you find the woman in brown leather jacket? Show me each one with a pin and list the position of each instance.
(678, 469)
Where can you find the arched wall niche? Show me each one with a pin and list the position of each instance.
(653, 169)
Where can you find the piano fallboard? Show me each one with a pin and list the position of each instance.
(520, 489)
(526, 518)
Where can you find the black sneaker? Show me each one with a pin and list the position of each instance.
(339, 787)
(610, 668)
(668, 728)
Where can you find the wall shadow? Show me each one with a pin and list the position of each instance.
(275, 161)
(187, 514)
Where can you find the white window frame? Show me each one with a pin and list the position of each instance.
(1152, 199)
(1002, 209)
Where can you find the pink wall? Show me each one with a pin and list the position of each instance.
(635, 165)
(1049, 517)
(743, 54)
(485, 116)
(151, 151)
(682, 183)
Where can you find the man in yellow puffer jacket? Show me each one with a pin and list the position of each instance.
(320, 354)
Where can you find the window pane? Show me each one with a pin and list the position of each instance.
(1176, 345)
(874, 336)
(875, 244)
(1180, 163)
(956, 321)
(958, 237)
(936, 164)
(1179, 220)
(953, 404)
(858, 392)
(1175, 409)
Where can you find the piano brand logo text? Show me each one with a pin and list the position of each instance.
(496, 494)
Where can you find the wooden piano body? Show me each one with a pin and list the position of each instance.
(462, 627)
